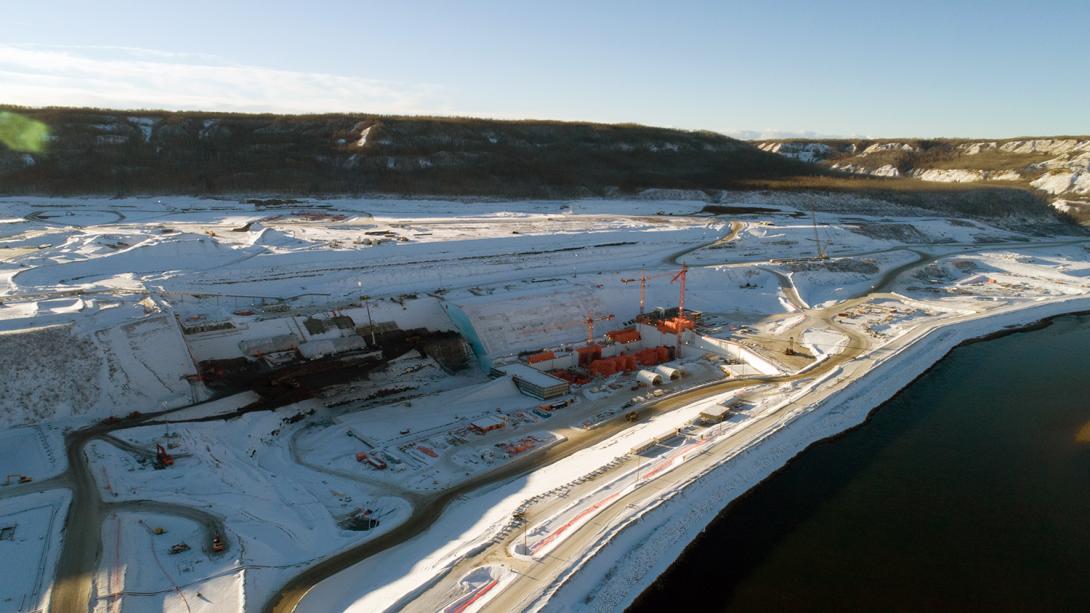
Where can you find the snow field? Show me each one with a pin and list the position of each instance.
(34, 451)
(31, 528)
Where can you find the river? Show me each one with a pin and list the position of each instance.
(969, 490)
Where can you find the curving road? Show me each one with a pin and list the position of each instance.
(81, 550)
(293, 592)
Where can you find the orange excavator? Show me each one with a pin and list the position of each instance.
(162, 458)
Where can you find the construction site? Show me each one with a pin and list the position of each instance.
(376, 404)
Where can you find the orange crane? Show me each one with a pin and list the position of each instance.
(680, 306)
(643, 290)
(681, 297)
(644, 278)
(589, 321)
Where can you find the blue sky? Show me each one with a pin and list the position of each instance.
(969, 68)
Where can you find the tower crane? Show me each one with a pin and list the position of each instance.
(681, 274)
(589, 321)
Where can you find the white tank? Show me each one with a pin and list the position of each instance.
(669, 372)
(649, 377)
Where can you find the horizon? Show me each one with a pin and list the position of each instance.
(803, 137)
(789, 71)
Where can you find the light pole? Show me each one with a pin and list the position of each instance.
(367, 305)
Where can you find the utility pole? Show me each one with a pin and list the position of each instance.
(367, 304)
(817, 239)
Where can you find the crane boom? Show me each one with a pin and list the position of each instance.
(643, 290)
(590, 325)
(681, 296)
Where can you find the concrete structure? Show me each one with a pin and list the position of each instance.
(486, 424)
(331, 346)
(715, 413)
(269, 344)
(533, 382)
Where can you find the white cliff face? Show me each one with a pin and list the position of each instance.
(1064, 182)
(805, 152)
(1046, 145)
(1066, 173)
(958, 175)
(880, 147)
(887, 170)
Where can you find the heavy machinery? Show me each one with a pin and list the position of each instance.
(791, 350)
(217, 544)
(162, 458)
(179, 548)
(589, 321)
(680, 305)
(17, 478)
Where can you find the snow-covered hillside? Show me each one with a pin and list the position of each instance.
(1059, 167)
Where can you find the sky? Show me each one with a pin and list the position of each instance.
(756, 68)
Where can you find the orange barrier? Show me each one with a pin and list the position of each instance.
(626, 335)
(541, 357)
(588, 354)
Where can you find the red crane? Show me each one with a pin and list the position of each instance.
(590, 325)
(643, 290)
(644, 278)
(680, 307)
(681, 297)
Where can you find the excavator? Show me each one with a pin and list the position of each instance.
(162, 458)
(17, 478)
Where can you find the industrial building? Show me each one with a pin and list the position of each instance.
(533, 382)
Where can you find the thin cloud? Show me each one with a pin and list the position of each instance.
(79, 76)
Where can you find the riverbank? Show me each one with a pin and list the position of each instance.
(628, 558)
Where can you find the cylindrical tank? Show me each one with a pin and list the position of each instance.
(649, 377)
(668, 372)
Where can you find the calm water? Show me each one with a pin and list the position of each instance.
(968, 491)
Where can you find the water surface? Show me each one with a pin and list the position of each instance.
(968, 491)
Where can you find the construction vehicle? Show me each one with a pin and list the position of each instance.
(179, 548)
(363, 456)
(158, 530)
(632, 416)
(17, 478)
(791, 350)
(162, 458)
(217, 544)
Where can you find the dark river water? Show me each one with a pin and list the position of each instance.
(968, 491)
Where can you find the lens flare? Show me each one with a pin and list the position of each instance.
(21, 133)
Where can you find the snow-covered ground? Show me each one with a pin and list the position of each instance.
(30, 534)
(127, 297)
